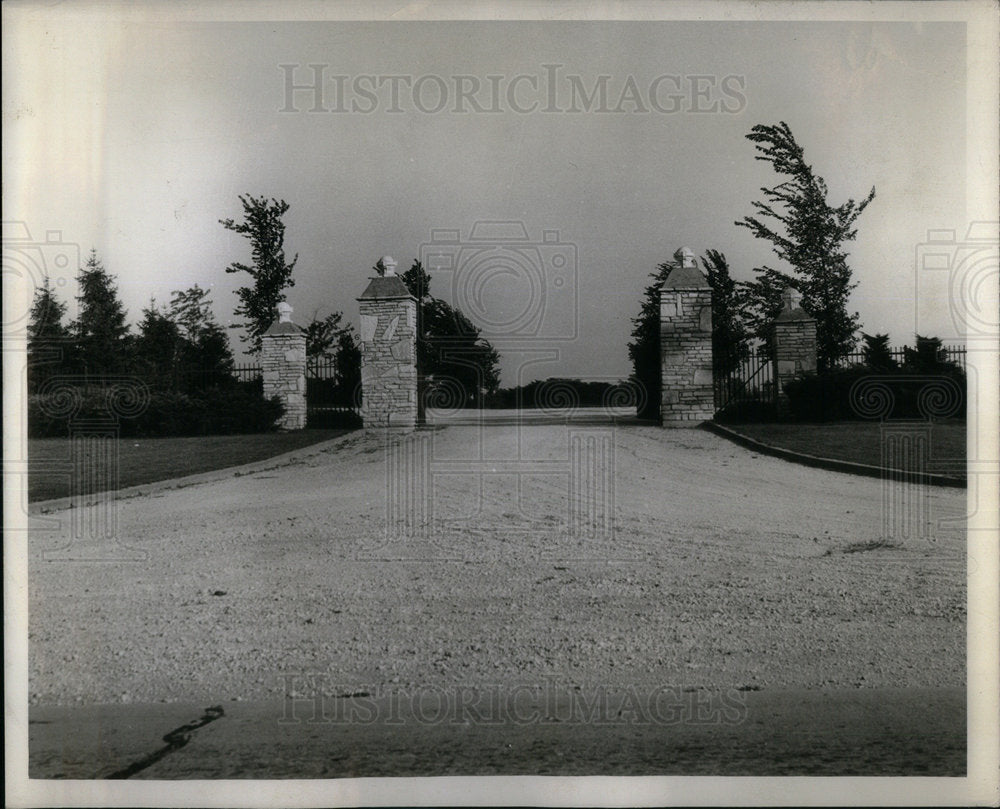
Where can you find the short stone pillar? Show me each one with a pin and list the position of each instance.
(686, 392)
(283, 363)
(388, 352)
(793, 347)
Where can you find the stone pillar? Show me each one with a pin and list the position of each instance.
(686, 393)
(793, 347)
(388, 352)
(283, 363)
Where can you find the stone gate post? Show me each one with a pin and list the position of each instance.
(687, 395)
(793, 347)
(283, 365)
(388, 352)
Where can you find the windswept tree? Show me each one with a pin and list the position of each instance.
(49, 340)
(809, 234)
(263, 226)
(100, 329)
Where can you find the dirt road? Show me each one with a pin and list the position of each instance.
(702, 566)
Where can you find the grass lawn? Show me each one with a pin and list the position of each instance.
(145, 460)
(859, 441)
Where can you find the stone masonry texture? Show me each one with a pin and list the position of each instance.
(686, 356)
(388, 362)
(794, 352)
(283, 364)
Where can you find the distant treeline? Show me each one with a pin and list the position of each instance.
(558, 394)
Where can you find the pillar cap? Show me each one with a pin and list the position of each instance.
(686, 274)
(283, 325)
(279, 329)
(386, 287)
(791, 312)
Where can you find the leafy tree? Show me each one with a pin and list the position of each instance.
(448, 343)
(348, 361)
(644, 350)
(49, 340)
(809, 234)
(876, 352)
(262, 224)
(100, 330)
(323, 336)
(729, 332)
(762, 302)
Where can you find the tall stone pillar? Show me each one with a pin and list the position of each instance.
(686, 392)
(793, 347)
(283, 363)
(388, 352)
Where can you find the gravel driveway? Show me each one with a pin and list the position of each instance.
(724, 570)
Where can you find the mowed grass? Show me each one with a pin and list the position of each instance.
(146, 460)
(859, 441)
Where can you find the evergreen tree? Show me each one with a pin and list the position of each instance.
(877, 354)
(100, 330)
(729, 332)
(809, 234)
(205, 348)
(159, 349)
(262, 224)
(49, 340)
(644, 350)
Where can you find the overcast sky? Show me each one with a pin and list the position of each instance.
(135, 136)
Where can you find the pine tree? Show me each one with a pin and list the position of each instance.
(159, 349)
(729, 331)
(205, 347)
(877, 354)
(809, 234)
(100, 330)
(49, 340)
(262, 224)
(644, 350)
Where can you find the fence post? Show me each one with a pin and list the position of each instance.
(793, 347)
(388, 352)
(283, 367)
(687, 393)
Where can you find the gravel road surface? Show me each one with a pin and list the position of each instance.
(724, 570)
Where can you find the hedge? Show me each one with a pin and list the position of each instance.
(215, 411)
